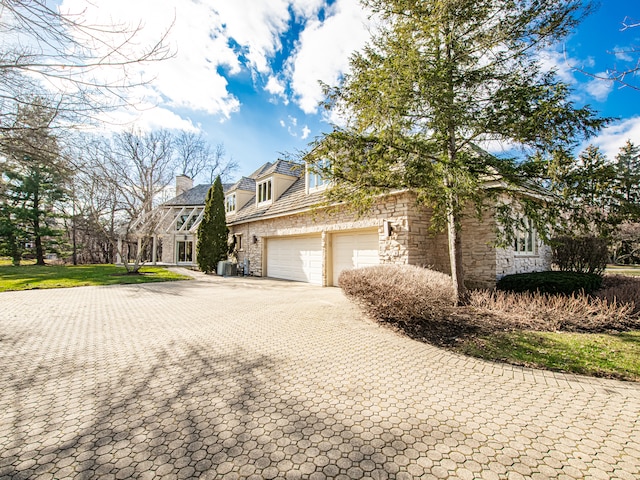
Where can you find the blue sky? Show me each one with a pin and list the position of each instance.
(246, 72)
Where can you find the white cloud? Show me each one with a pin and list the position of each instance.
(254, 25)
(552, 60)
(282, 124)
(190, 79)
(323, 51)
(613, 137)
(274, 86)
(213, 40)
(599, 88)
(623, 54)
(305, 132)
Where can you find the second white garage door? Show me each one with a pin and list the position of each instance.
(295, 258)
(354, 250)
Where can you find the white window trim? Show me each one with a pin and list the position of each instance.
(226, 203)
(521, 238)
(239, 244)
(268, 190)
(316, 188)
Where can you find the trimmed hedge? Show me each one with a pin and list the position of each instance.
(566, 283)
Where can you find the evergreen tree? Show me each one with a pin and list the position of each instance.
(212, 231)
(627, 182)
(440, 77)
(34, 176)
(589, 192)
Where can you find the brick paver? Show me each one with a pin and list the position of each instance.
(253, 378)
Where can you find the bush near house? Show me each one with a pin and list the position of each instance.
(585, 254)
(593, 334)
(567, 283)
(399, 292)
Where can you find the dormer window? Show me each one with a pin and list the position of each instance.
(230, 203)
(315, 179)
(264, 191)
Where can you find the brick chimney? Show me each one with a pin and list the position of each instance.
(183, 183)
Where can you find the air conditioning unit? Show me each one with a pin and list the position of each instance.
(227, 269)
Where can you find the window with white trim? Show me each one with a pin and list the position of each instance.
(315, 180)
(238, 242)
(264, 191)
(525, 239)
(230, 203)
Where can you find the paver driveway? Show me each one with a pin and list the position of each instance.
(255, 378)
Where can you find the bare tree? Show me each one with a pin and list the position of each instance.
(62, 56)
(194, 156)
(625, 72)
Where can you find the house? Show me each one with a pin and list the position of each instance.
(278, 228)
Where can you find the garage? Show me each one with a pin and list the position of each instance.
(354, 250)
(295, 258)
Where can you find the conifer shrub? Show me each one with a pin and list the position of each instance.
(399, 293)
(566, 283)
(212, 232)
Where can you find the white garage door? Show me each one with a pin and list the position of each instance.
(354, 250)
(295, 258)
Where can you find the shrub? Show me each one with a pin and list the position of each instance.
(621, 289)
(550, 282)
(580, 254)
(548, 312)
(399, 292)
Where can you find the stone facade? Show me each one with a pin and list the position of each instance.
(410, 240)
(403, 230)
(509, 262)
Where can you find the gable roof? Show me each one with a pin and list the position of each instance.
(295, 198)
(245, 183)
(194, 196)
(283, 167)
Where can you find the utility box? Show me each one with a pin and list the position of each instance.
(227, 269)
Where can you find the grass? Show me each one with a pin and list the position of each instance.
(596, 335)
(633, 270)
(601, 355)
(29, 277)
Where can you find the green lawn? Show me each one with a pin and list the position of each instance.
(30, 277)
(601, 355)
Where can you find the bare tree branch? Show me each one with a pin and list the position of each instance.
(62, 56)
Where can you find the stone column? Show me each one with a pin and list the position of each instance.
(118, 257)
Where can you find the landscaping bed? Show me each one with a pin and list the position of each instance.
(596, 334)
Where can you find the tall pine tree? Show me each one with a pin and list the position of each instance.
(34, 177)
(212, 231)
(438, 78)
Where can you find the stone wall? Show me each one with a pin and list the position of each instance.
(411, 241)
(393, 249)
(509, 262)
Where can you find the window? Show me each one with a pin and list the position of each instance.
(230, 203)
(314, 178)
(184, 252)
(238, 242)
(264, 191)
(186, 221)
(525, 239)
